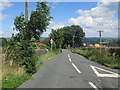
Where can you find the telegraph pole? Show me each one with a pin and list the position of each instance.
(100, 34)
(74, 41)
(26, 10)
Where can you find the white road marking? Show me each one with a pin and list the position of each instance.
(68, 55)
(93, 85)
(70, 59)
(76, 68)
(115, 75)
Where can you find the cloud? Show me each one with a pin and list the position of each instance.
(53, 25)
(3, 16)
(108, 2)
(48, 31)
(100, 17)
(7, 33)
(4, 5)
(12, 27)
(59, 25)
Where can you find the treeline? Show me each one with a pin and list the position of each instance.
(67, 36)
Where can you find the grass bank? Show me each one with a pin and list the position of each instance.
(12, 80)
(42, 58)
(105, 57)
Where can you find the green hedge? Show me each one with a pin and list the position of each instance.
(104, 58)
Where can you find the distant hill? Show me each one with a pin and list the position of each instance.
(96, 40)
(42, 38)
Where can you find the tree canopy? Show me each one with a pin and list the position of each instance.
(21, 46)
(70, 35)
(33, 28)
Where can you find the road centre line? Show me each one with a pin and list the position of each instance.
(76, 68)
(69, 55)
(93, 85)
(70, 59)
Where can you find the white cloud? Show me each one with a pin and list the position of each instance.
(12, 27)
(57, 26)
(7, 33)
(3, 16)
(53, 25)
(99, 18)
(48, 31)
(108, 2)
(4, 5)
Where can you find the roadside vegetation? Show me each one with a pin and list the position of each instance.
(108, 57)
(15, 75)
(21, 55)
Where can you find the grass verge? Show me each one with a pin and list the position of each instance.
(44, 57)
(12, 81)
(104, 58)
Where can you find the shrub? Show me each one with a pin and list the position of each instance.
(107, 57)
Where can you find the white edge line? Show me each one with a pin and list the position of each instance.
(68, 55)
(76, 68)
(70, 59)
(93, 85)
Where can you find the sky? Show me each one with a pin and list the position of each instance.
(91, 16)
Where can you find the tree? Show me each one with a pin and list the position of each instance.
(3, 42)
(70, 35)
(33, 28)
(39, 20)
(57, 36)
(20, 46)
(47, 41)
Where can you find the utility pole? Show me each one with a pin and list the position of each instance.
(74, 41)
(26, 10)
(100, 34)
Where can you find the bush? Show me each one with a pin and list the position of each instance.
(44, 47)
(104, 58)
(3, 42)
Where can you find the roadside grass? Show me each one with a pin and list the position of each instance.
(0, 50)
(12, 76)
(12, 81)
(104, 58)
(42, 58)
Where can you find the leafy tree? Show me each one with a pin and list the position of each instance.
(70, 35)
(20, 46)
(47, 41)
(3, 42)
(57, 36)
(78, 35)
(39, 20)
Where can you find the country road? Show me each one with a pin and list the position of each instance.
(69, 70)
